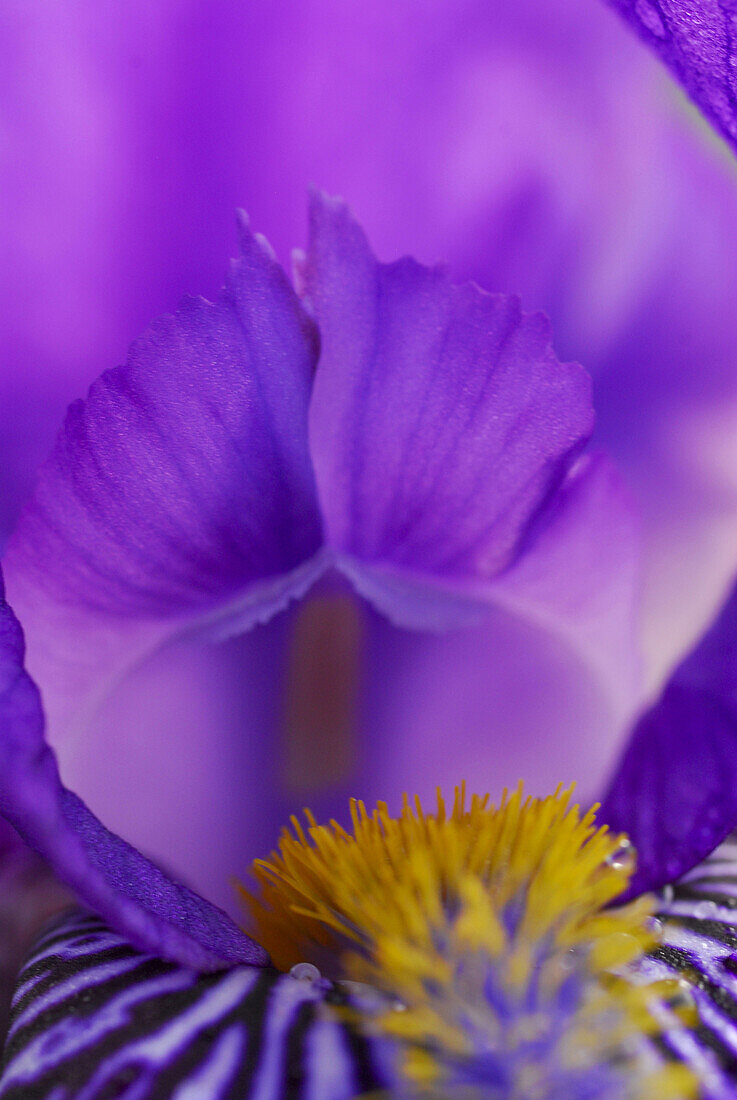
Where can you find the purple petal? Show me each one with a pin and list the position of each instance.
(168, 1031)
(444, 435)
(675, 789)
(503, 699)
(441, 421)
(156, 913)
(579, 576)
(488, 705)
(180, 491)
(695, 39)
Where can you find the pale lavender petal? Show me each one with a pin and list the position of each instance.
(504, 700)
(444, 435)
(167, 1031)
(675, 788)
(180, 492)
(154, 912)
(198, 732)
(696, 40)
(579, 578)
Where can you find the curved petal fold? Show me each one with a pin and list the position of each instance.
(696, 40)
(440, 419)
(446, 441)
(579, 576)
(179, 492)
(134, 895)
(675, 788)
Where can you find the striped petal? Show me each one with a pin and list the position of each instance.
(699, 948)
(91, 1017)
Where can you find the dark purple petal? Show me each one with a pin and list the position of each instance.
(180, 491)
(168, 1031)
(441, 421)
(675, 788)
(155, 913)
(696, 40)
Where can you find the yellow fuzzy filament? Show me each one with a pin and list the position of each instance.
(423, 907)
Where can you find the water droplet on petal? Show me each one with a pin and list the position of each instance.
(623, 856)
(656, 927)
(684, 995)
(305, 972)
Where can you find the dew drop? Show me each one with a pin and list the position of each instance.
(305, 972)
(705, 909)
(684, 995)
(623, 857)
(668, 894)
(656, 927)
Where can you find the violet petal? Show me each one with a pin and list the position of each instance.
(180, 493)
(696, 40)
(675, 788)
(440, 420)
(154, 912)
(445, 437)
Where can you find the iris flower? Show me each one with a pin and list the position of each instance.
(699, 692)
(376, 435)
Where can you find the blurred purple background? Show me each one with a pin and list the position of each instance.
(535, 147)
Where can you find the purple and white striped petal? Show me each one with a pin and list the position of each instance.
(91, 1016)
(699, 948)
